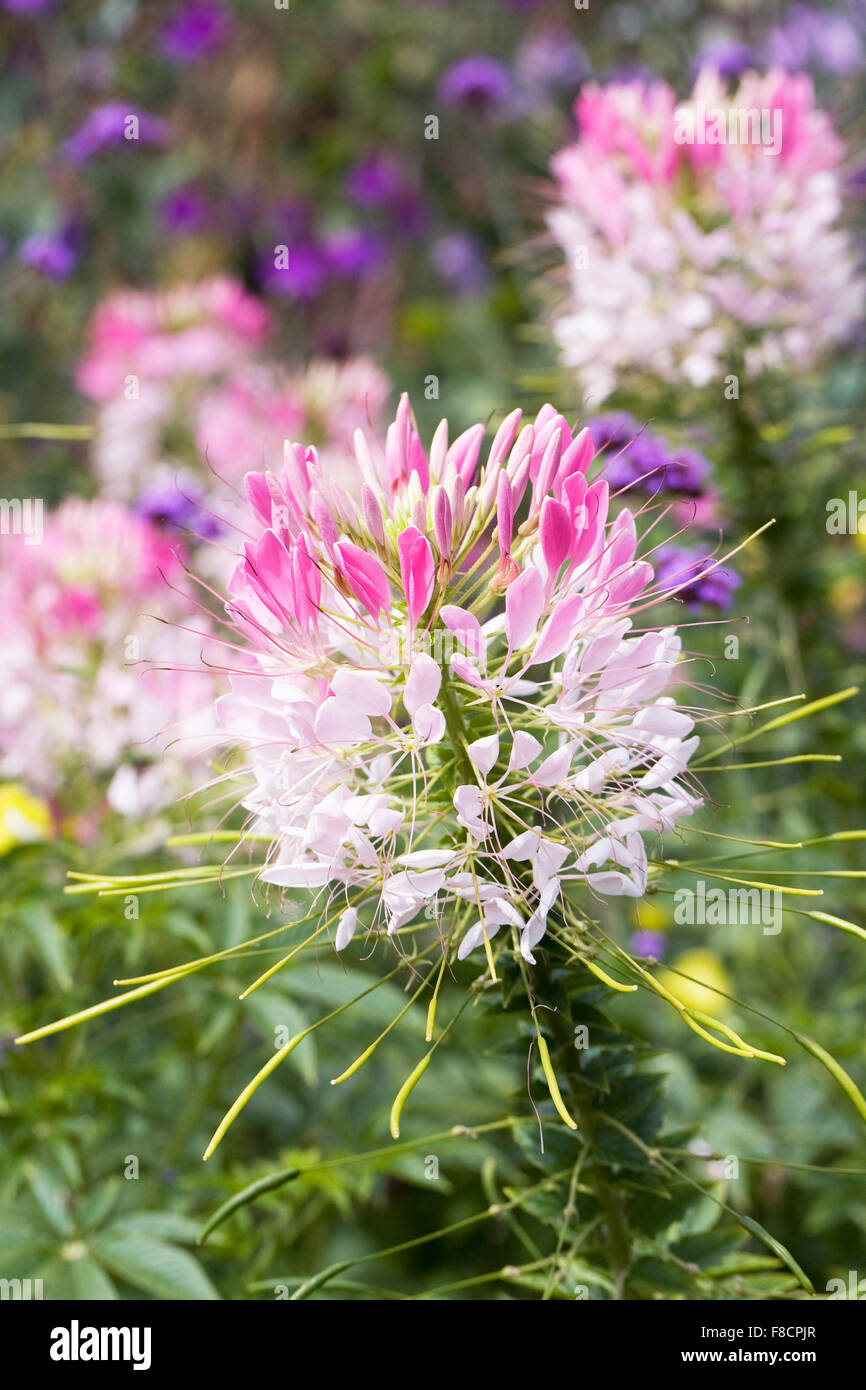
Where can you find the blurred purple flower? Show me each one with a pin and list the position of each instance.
(376, 181)
(303, 277)
(354, 253)
(688, 571)
(631, 452)
(197, 30)
(292, 218)
(686, 471)
(479, 83)
(114, 124)
(458, 258)
(635, 457)
(648, 943)
(177, 508)
(730, 58)
(551, 62)
(807, 38)
(55, 254)
(185, 209)
(379, 181)
(26, 6)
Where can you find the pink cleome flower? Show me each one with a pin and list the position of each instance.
(93, 686)
(446, 701)
(700, 232)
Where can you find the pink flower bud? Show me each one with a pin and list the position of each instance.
(442, 522)
(364, 576)
(556, 534)
(372, 514)
(504, 515)
(417, 570)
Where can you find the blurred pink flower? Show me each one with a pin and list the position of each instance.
(102, 648)
(689, 246)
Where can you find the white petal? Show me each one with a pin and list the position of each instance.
(363, 690)
(341, 721)
(524, 750)
(484, 752)
(346, 928)
(422, 683)
(428, 724)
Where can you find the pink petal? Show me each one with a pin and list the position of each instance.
(559, 630)
(362, 690)
(504, 514)
(428, 724)
(365, 577)
(555, 532)
(524, 600)
(554, 769)
(422, 683)
(464, 452)
(340, 721)
(466, 628)
(417, 570)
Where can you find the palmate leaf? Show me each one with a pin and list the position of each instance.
(50, 1197)
(153, 1266)
(90, 1282)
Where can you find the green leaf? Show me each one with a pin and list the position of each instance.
(98, 1205)
(50, 1198)
(159, 1225)
(152, 1266)
(90, 1283)
(42, 928)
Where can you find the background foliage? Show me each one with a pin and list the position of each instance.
(102, 1189)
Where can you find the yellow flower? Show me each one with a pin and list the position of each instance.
(847, 594)
(706, 967)
(23, 818)
(651, 916)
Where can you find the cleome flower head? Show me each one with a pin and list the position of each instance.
(701, 233)
(446, 708)
(104, 691)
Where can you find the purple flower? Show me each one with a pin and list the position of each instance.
(686, 471)
(114, 124)
(808, 37)
(376, 181)
(729, 57)
(292, 218)
(177, 508)
(689, 572)
(648, 943)
(197, 30)
(551, 62)
(634, 457)
(55, 254)
(354, 253)
(379, 181)
(26, 6)
(304, 276)
(185, 209)
(478, 83)
(459, 259)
